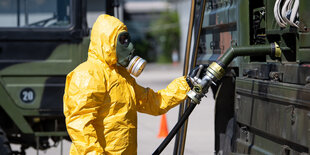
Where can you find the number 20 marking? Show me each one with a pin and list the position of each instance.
(27, 96)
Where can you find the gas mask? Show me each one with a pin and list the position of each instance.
(125, 55)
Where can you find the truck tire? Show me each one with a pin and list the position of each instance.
(5, 147)
(224, 107)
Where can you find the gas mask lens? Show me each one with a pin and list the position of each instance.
(124, 39)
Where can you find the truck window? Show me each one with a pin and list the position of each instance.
(94, 9)
(35, 13)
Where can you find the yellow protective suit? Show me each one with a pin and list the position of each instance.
(101, 99)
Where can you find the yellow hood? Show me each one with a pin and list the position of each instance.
(104, 38)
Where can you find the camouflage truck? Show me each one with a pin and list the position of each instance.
(262, 102)
(40, 43)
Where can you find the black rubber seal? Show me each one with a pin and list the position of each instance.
(273, 51)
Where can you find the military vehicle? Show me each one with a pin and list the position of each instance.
(262, 100)
(40, 43)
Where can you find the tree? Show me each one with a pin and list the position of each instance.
(166, 32)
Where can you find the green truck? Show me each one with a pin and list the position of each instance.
(262, 101)
(40, 43)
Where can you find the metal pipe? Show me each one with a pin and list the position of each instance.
(189, 37)
(109, 8)
(194, 58)
(186, 64)
(233, 52)
(26, 12)
(175, 129)
(61, 145)
(18, 13)
(116, 5)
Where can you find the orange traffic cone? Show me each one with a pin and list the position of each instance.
(163, 130)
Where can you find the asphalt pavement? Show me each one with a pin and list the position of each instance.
(200, 135)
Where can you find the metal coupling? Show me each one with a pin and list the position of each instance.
(276, 50)
(193, 96)
(216, 70)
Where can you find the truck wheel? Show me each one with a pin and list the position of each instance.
(224, 107)
(227, 139)
(5, 147)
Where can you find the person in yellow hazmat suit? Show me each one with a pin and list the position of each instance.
(102, 99)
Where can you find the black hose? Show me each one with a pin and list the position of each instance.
(185, 68)
(175, 129)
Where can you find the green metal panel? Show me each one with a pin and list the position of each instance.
(271, 23)
(304, 15)
(57, 133)
(14, 85)
(261, 146)
(34, 75)
(63, 60)
(303, 55)
(243, 26)
(276, 110)
(13, 111)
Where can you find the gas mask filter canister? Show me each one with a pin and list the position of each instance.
(136, 66)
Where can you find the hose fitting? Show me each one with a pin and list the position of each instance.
(278, 51)
(216, 70)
